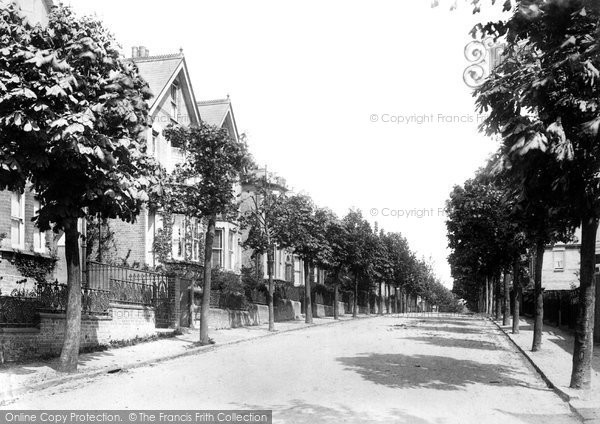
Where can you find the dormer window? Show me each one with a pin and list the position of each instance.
(174, 101)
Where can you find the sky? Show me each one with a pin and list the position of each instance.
(360, 104)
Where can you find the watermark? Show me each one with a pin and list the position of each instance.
(405, 213)
(140, 416)
(483, 56)
(426, 118)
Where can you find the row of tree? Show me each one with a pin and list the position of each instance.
(356, 256)
(542, 103)
(73, 119)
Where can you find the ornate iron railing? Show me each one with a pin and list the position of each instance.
(100, 276)
(18, 311)
(132, 293)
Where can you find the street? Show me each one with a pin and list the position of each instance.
(428, 369)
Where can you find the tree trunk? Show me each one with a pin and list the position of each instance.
(191, 305)
(487, 296)
(397, 300)
(506, 312)
(518, 295)
(355, 298)
(336, 302)
(270, 261)
(538, 319)
(584, 328)
(69, 354)
(208, 242)
(308, 316)
(498, 304)
(380, 298)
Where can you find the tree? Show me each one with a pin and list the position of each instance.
(72, 121)
(214, 163)
(264, 219)
(544, 97)
(304, 231)
(360, 249)
(337, 260)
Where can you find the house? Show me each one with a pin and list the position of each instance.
(560, 273)
(227, 250)
(287, 266)
(174, 102)
(36, 11)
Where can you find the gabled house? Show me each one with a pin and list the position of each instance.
(174, 102)
(227, 250)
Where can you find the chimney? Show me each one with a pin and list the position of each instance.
(135, 52)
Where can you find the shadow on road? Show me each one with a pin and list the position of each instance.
(457, 343)
(299, 412)
(428, 371)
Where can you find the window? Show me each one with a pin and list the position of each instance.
(17, 220)
(174, 101)
(559, 259)
(217, 249)
(196, 240)
(154, 145)
(39, 237)
(178, 236)
(289, 269)
(231, 246)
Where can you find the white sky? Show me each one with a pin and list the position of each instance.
(306, 76)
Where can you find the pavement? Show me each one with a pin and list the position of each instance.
(21, 378)
(554, 363)
(391, 369)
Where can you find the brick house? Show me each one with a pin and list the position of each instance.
(174, 102)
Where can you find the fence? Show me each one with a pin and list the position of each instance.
(23, 307)
(560, 307)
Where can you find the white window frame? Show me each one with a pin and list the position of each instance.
(558, 259)
(178, 248)
(17, 218)
(231, 248)
(39, 237)
(196, 239)
(218, 250)
(174, 101)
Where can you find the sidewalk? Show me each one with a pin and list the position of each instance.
(554, 362)
(17, 379)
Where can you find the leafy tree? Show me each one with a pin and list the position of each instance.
(360, 249)
(545, 97)
(337, 260)
(214, 163)
(265, 220)
(304, 232)
(72, 121)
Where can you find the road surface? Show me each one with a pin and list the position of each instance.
(382, 370)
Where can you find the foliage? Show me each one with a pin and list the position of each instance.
(34, 266)
(72, 119)
(204, 183)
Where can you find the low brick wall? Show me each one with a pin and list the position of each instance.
(287, 310)
(219, 319)
(320, 311)
(126, 322)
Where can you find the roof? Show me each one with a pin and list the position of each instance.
(214, 112)
(158, 71)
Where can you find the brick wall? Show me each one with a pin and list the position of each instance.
(8, 271)
(125, 323)
(130, 239)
